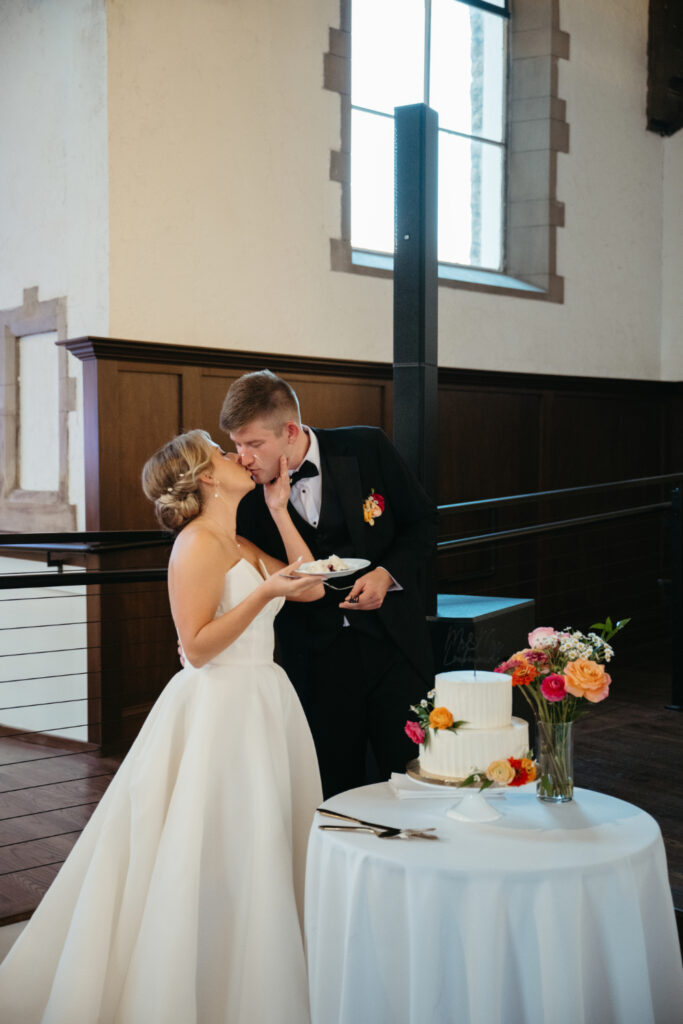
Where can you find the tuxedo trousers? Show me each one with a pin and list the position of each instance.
(356, 694)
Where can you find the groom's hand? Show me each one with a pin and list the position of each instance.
(368, 592)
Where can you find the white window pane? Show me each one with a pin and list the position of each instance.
(470, 202)
(467, 64)
(372, 182)
(387, 59)
(38, 413)
(491, 216)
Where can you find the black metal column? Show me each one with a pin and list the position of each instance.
(676, 599)
(415, 290)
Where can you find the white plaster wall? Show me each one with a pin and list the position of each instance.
(53, 170)
(222, 210)
(672, 260)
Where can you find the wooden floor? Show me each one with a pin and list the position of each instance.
(630, 746)
(47, 795)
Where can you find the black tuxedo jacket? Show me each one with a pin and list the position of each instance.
(357, 460)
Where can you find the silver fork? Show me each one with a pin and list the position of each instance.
(383, 833)
(373, 826)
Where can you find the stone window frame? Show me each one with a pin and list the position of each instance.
(537, 131)
(25, 511)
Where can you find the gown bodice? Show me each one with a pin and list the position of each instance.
(255, 644)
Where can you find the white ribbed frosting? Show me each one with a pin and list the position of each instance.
(455, 755)
(484, 701)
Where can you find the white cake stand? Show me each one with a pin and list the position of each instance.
(473, 807)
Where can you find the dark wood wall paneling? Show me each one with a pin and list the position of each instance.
(498, 433)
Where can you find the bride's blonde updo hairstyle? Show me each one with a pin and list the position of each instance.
(170, 478)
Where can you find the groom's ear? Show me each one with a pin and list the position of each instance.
(293, 431)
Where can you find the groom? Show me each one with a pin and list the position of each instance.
(361, 655)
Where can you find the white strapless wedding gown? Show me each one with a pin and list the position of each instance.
(181, 902)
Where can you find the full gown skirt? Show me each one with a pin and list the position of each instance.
(182, 901)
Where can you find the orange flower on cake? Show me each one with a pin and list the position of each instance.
(585, 678)
(440, 718)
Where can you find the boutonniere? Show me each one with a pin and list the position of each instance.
(373, 506)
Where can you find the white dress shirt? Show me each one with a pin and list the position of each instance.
(306, 495)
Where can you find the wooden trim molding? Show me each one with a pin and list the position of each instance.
(95, 348)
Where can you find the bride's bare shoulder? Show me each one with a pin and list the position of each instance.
(197, 542)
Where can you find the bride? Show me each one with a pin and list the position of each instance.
(181, 902)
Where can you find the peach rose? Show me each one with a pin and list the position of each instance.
(585, 678)
(440, 718)
(500, 771)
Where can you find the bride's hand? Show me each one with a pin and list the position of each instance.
(276, 492)
(283, 583)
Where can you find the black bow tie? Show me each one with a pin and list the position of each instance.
(306, 468)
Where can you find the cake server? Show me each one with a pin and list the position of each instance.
(383, 833)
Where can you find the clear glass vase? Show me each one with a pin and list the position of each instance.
(555, 753)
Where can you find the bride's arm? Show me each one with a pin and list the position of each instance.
(196, 576)
(276, 496)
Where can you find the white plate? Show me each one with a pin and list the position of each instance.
(354, 565)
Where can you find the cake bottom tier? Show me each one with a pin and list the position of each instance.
(453, 755)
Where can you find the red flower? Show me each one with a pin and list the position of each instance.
(521, 775)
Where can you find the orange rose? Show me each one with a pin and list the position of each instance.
(530, 768)
(585, 678)
(500, 771)
(440, 718)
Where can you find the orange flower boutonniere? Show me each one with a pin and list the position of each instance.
(373, 506)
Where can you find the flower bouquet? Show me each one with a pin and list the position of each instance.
(561, 674)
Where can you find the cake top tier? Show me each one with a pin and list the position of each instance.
(482, 699)
(472, 675)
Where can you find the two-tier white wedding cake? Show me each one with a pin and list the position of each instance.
(484, 701)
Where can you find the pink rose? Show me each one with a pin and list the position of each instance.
(540, 633)
(414, 731)
(553, 688)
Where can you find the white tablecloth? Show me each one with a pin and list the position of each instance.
(549, 915)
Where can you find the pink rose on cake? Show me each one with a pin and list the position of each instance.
(414, 731)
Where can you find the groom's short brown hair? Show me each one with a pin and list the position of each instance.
(259, 396)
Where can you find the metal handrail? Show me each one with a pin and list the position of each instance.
(559, 524)
(521, 499)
